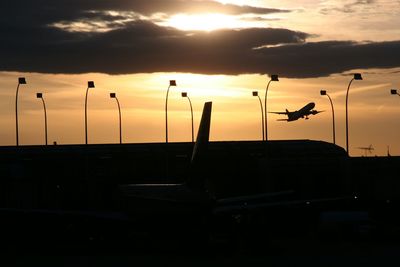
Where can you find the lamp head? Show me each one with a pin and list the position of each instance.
(90, 84)
(184, 94)
(323, 92)
(112, 95)
(172, 83)
(393, 91)
(39, 95)
(255, 93)
(21, 80)
(357, 76)
(274, 77)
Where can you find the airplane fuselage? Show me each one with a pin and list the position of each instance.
(301, 113)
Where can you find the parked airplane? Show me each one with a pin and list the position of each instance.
(176, 208)
(367, 149)
(304, 112)
(194, 198)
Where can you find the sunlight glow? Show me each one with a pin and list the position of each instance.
(235, 2)
(82, 26)
(204, 85)
(204, 22)
(98, 25)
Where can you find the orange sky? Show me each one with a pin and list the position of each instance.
(373, 112)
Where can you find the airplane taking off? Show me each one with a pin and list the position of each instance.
(304, 112)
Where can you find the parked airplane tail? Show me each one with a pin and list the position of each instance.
(196, 179)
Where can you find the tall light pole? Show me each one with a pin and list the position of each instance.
(323, 92)
(171, 83)
(394, 92)
(184, 94)
(273, 78)
(40, 95)
(255, 93)
(21, 80)
(90, 85)
(357, 76)
(113, 95)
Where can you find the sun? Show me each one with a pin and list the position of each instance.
(203, 22)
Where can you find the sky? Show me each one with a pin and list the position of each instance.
(216, 51)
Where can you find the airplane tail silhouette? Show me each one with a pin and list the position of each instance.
(195, 185)
(196, 178)
(203, 133)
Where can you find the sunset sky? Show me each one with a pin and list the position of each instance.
(216, 51)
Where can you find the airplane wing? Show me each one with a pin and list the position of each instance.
(105, 215)
(279, 112)
(263, 202)
(366, 148)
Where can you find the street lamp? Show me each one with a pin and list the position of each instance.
(90, 85)
(357, 76)
(184, 94)
(323, 92)
(171, 83)
(40, 95)
(21, 80)
(113, 95)
(255, 93)
(394, 92)
(274, 78)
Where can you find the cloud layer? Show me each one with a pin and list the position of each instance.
(29, 41)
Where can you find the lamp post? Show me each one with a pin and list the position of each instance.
(171, 83)
(90, 85)
(274, 78)
(184, 94)
(113, 95)
(394, 92)
(21, 80)
(255, 93)
(357, 76)
(323, 92)
(40, 95)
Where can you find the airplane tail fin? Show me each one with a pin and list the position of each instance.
(203, 133)
(287, 111)
(196, 179)
(315, 112)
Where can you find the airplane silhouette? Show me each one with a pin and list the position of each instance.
(367, 149)
(182, 209)
(194, 196)
(304, 112)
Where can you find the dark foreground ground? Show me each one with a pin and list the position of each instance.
(286, 251)
(278, 253)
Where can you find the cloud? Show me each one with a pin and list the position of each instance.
(19, 16)
(50, 11)
(131, 45)
(195, 6)
(324, 58)
(349, 7)
(141, 46)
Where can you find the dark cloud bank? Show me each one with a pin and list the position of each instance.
(28, 43)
